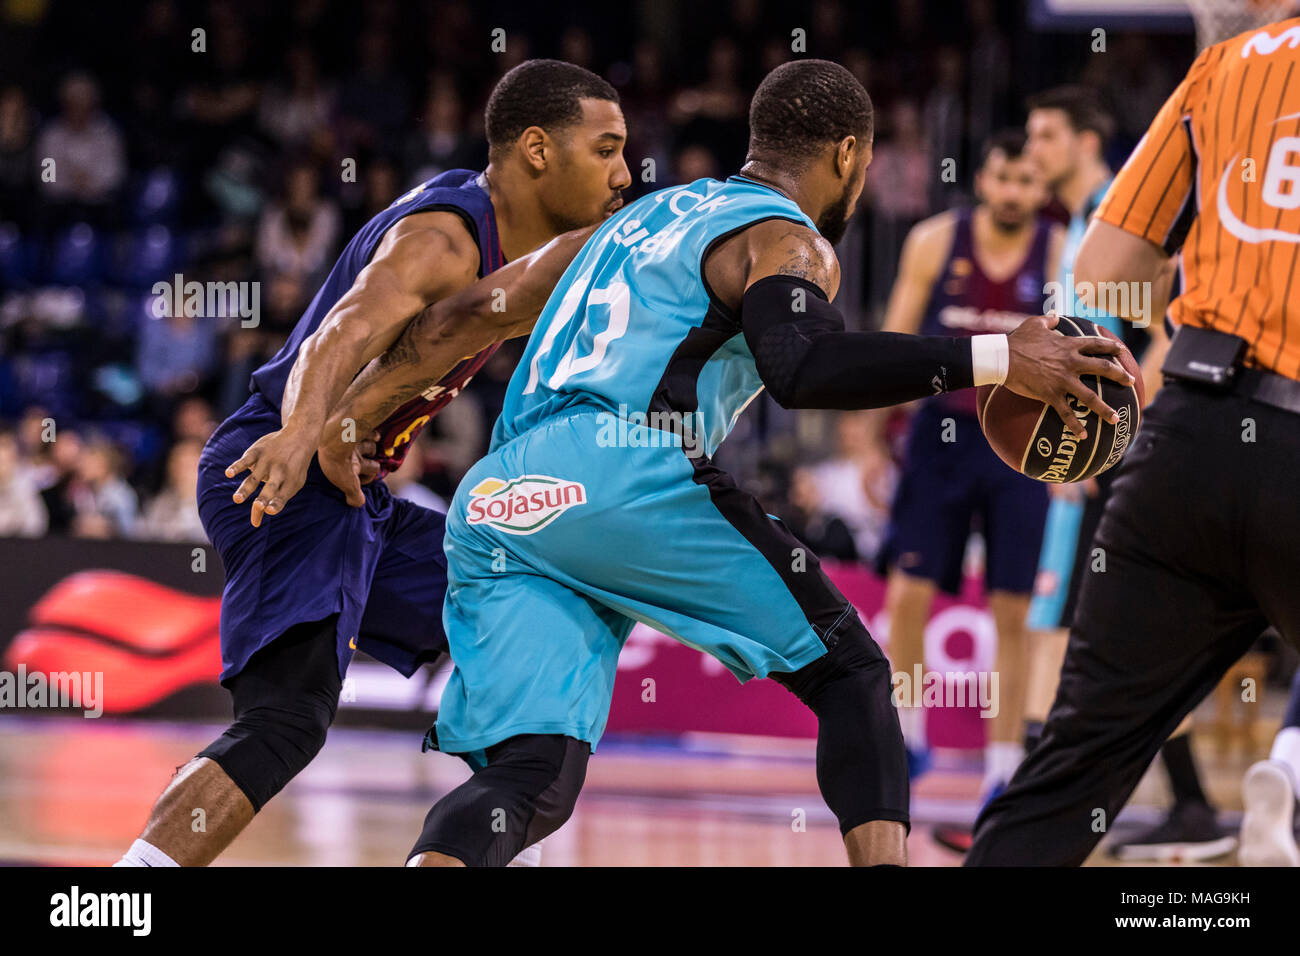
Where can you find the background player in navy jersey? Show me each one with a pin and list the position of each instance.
(968, 272)
(683, 306)
(320, 580)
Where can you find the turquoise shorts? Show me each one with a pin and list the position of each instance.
(561, 539)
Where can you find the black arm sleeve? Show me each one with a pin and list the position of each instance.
(807, 360)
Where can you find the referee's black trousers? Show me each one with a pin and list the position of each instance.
(1201, 548)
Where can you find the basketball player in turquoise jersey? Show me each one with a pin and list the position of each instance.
(599, 504)
(310, 581)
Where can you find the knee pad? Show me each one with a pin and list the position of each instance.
(853, 653)
(525, 793)
(285, 700)
(861, 763)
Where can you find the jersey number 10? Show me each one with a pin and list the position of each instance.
(617, 296)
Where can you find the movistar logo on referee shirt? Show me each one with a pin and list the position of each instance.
(523, 505)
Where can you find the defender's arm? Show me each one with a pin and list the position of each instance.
(500, 306)
(497, 307)
(422, 258)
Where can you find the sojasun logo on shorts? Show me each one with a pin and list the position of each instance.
(522, 505)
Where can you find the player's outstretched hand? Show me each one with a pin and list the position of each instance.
(278, 462)
(348, 465)
(1048, 366)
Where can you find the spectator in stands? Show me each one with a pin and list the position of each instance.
(299, 234)
(104, 504)
(715, 113)
(175, 354)
(193, 421)
(53, 464)
(897, 186)
(825, 533)
(374, 100)
(439, 144)
(222, 103)
(853, 486)
(293, 110)
(694, 162)
(945, 121)
(89, 161)
(22, 512)
(173, 514)
(18, 165)
(380, 185)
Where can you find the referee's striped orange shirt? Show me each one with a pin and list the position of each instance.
(1218, 176)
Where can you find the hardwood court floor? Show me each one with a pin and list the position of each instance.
(76, 791)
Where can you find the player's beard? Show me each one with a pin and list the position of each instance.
(1008, 222)
(834, 220)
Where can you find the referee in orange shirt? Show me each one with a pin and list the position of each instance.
(1201, 536)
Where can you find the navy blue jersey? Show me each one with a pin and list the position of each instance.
(965, 301)
(458, 190)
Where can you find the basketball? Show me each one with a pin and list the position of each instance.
(1031, 437)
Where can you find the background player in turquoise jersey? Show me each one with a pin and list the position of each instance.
(599, 504)
(319, 579)
(1068, 128)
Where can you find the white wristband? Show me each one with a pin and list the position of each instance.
(989, 357)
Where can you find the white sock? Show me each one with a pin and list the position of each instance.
(528, 856)
(1001, 758)
(1286, 749)
(145, 854)
(912, 722)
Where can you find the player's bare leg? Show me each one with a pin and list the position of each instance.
(908, 600)
(174, 824)
(1046, 655)
(1004, 749)
(876, 843)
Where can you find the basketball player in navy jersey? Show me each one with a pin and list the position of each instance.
(967, 272)
(312, 580)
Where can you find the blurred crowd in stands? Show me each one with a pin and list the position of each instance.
(239, 142)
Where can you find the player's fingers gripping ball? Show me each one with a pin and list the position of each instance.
(1031, 437)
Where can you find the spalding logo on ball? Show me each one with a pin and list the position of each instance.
(1031, 437)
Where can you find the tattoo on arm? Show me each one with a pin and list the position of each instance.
(404, 351)
(804, 259)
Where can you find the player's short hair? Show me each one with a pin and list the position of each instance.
(804, 105)
(1082, 106)
(1010, 142)
(545, 93)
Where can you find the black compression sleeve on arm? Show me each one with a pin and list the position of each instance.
(807, 360)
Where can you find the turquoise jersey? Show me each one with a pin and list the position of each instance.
(1065, 517)
(632, 328)
(1070, 251)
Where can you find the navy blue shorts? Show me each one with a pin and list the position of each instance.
(949, 489)
(380, 568)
